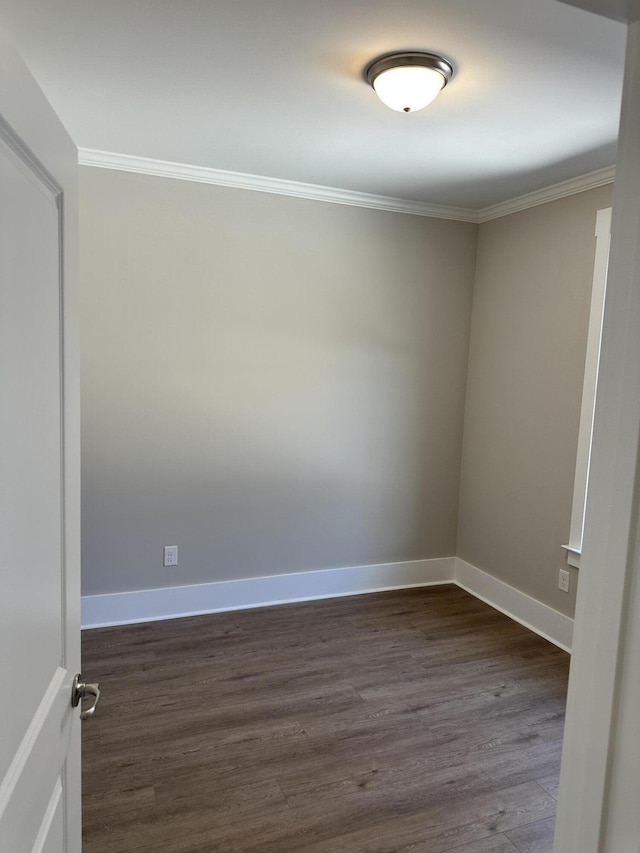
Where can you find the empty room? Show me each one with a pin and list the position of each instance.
(319, 412)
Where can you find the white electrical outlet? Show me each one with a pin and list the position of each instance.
(170, 555)
(563, 580)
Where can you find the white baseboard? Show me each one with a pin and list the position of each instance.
(533, 614)
(149, 605)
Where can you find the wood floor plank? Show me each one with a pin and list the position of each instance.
(535, 837)
(494, 844)
(402, 722)
(472, 820)
(550, 784)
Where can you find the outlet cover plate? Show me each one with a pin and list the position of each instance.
(170, 555)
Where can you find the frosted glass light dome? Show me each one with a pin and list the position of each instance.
(407, 82)
(408, 88)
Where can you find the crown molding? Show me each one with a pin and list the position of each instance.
(590, 181)
(316, 192)
(279, 186)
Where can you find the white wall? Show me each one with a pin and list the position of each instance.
(273, 384)
(526, 366)
(278, 385)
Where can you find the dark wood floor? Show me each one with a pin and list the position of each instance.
(419, 721)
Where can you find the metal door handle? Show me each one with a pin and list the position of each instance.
(79, 691)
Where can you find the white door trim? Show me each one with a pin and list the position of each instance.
(594, 814)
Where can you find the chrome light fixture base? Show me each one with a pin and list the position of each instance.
(409, 57)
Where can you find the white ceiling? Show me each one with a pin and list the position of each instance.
(275, 88)
(618, 10)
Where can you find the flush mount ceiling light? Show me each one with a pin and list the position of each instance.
(408, 81)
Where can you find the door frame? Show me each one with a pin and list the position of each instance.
(597, 812)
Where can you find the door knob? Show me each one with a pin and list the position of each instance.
(79, 691)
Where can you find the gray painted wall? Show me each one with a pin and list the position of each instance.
(526, 364)
(273, 384)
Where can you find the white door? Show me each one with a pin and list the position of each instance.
(39, 468)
